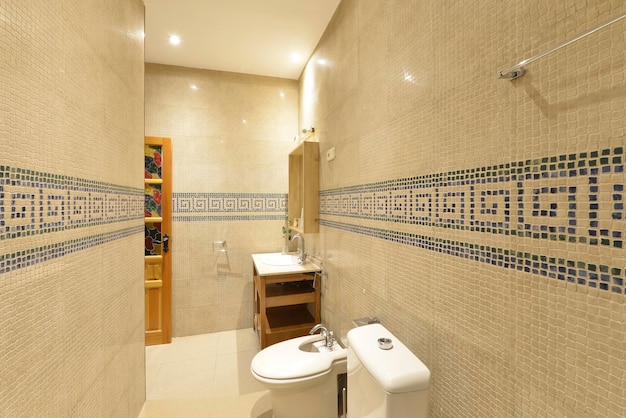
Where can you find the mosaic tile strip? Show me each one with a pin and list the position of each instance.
(229, 202)
(598, 276)
(201, 218)
(577, 198)
(33, 203)
(29, 257)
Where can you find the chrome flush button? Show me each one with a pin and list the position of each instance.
(385, 344)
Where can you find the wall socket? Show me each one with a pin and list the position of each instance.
(330, 154)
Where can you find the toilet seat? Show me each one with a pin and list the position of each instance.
(285, 361)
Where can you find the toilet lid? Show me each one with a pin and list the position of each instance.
(285, 360)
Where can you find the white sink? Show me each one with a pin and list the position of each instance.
(280, 259)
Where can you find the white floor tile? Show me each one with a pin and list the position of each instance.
(184, 379)
(205, 376)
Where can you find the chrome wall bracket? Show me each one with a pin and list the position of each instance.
(512, 74)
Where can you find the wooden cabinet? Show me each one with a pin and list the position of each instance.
(285, 305)
(304, 187)
(158, 225)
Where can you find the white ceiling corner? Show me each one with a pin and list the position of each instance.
(243, 36)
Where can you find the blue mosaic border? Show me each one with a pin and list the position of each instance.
(215, 207)
(29, 257)
(201, 218)
(34, 203)
(597, 276)
(509, 199)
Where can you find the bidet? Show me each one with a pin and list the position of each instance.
(328, 335)
(297, 373)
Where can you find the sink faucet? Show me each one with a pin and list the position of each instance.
(328, 335)
(302, 256)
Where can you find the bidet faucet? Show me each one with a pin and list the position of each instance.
(328, 335)
(302, 256)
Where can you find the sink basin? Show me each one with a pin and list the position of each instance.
(280, 259)
(319, 347)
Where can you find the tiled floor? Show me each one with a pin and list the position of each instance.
(205, 376)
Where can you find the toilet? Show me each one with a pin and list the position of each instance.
(302, 376)
(385, 379)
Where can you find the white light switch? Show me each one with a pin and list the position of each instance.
(330, 154)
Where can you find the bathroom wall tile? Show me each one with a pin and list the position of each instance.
(479, 218)
(373, 20)
(71, 291)
(231, 137)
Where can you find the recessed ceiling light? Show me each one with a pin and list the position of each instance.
(282, 94)
(174, 39)
(245, 122)
(194, 87)
(295, 57)
(321, 61)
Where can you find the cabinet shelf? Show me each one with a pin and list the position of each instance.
(287, 318)
(296, 229)
(289, 294)
(153, 258)
(285, 322)
(285, 305)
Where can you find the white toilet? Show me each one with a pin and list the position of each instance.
(301, 375)
(385, 379)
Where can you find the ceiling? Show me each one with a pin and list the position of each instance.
(263, 37)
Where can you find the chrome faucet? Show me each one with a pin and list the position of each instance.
(302, 256)
(328, 335)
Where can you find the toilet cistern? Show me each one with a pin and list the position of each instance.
(302, 256)
(328, 335)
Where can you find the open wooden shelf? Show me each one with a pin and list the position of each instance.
(285, 322)
(297, 229)
(284, 318)
(285, 305)
(292, 293)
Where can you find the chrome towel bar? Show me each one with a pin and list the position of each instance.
(518, 70)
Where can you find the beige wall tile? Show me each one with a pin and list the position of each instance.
(71, 270)
(408, 96)
(231, 138)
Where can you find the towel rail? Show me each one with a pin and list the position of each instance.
(518, 70)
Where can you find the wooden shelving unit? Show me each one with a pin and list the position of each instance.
(286, 306)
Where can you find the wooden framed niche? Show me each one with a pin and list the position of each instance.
(304, 187)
